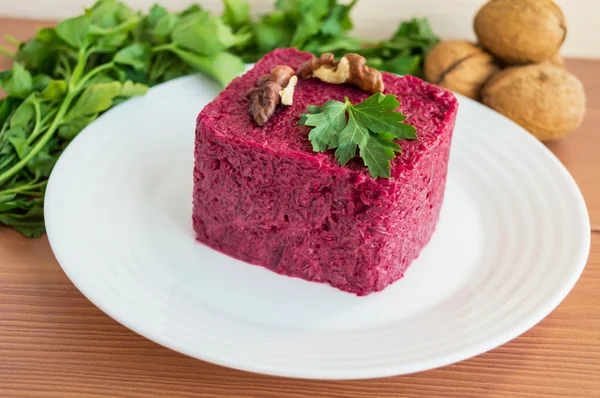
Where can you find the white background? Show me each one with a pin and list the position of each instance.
(374, 18)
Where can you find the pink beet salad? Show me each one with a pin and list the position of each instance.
(262, 195)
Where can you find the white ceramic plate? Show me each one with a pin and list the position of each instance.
(512, 240)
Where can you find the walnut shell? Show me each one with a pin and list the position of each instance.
(557, 60)
(459, 66)
(521, 31)
(544, 98)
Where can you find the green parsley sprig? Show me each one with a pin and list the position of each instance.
(370, 126)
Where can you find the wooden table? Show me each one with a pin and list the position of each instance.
(55, 343)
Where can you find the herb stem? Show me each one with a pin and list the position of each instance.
(93, 73)
(7, 53)
(26, 187)
(163, 47)
(38, 122)
(12, 40)
(64, 63)
(42, 142)
(78, 71)
(7, 161)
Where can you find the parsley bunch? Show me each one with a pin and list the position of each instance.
(320, 26)
(66, 76)
(369, 126)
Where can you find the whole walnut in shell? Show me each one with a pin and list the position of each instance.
(557, 60)
(544, 98)
(521, 31)
(459, 66)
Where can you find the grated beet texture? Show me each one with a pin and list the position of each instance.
(263, 196)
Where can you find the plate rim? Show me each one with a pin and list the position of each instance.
(579, 263)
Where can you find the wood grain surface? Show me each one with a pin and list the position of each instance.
(55, 343)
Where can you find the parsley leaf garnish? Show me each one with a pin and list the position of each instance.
(369, 126)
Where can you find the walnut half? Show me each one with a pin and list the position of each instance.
(351, 68)
(268, 94)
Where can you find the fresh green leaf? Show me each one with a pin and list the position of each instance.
(30, 224)
(163, 28)
(272, 31)
(193, 9)
(69, 130)
(329, 120)
(47, 36)
(353, 135)
(99, 78)
(162, 62)
(23, 115)
(40, 82)
(311, 14)
(74, 31)
(204, 35)
(131, 89)
(110, 43)
(105, 13)
(95, 99)
(223, 66)
(136, 55)
(41, 164)
(403, 65)
(236, 13)
(377, 152)
(371, 127)
(20, 146)
(340, 44)
(338, 20)
(123, 27)
(376, 114)
(6, 108)
(110, 13)
(55, 91)
(18, 83)
(176, 71)
(156, 13)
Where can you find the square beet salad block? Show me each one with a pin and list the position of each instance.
(322, 169)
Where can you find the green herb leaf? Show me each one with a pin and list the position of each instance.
(136, 55)
(94, 99)
(30, 224)
(156, 13)
(74, 31)
(371, 127)
(194, 8)
(6, 107)
(236, 13)
(203, 34)
(375, 113)
(40, 82)
(20, 145)
(338, 20)
(123, 27)
(329, 120)
(223, 66)
(110, 43)
(164, 27)
(55, 91)
(272, 31)
(69, 130)
(131, 89)
(23, 115)
(377, 152)
(17, 83)
(403, 65)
